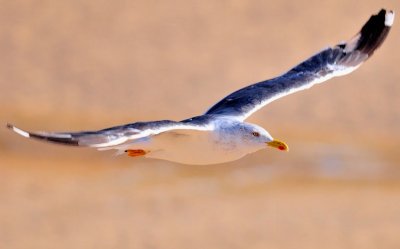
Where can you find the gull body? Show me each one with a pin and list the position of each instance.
(221, 133)
(229, 140)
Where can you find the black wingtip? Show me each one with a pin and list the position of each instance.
(54, 138)
(374, 32)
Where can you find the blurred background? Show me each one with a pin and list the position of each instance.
(83, 65)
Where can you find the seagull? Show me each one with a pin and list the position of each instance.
(221, 133)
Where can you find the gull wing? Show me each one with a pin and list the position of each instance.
(331, 62)
(115, 135)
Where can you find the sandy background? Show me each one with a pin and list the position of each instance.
(75, 65)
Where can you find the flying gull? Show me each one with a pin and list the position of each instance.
(220, 134)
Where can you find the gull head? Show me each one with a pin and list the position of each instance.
(259, 135)
(251, 135)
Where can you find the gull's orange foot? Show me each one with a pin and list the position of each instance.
(135, 153)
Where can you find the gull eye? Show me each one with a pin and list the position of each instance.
(256, 134)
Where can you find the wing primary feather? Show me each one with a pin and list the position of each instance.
(60, 138)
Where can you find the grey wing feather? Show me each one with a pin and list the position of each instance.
(336, 61)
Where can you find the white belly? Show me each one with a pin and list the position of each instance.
(191, 147)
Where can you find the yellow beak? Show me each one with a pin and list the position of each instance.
(279, 145)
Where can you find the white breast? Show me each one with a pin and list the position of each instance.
(192, 147)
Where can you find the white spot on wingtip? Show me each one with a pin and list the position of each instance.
(20, 132)
(389, 18)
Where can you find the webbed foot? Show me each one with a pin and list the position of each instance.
(135, 153)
